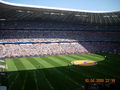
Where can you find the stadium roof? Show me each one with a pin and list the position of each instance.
(20, 12)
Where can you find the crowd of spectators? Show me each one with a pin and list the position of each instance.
(46, 49)
(58, 26)
(90, 40)
(56, 36)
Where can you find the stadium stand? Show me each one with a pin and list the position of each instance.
(43, 35)
(55, 43)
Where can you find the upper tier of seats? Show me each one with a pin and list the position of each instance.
(56, 26)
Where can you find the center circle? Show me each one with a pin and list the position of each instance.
(84, 62)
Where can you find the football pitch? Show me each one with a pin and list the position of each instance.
(57, 72)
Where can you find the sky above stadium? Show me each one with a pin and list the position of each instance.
(92, 5)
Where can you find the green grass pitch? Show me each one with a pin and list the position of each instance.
(57, 73)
